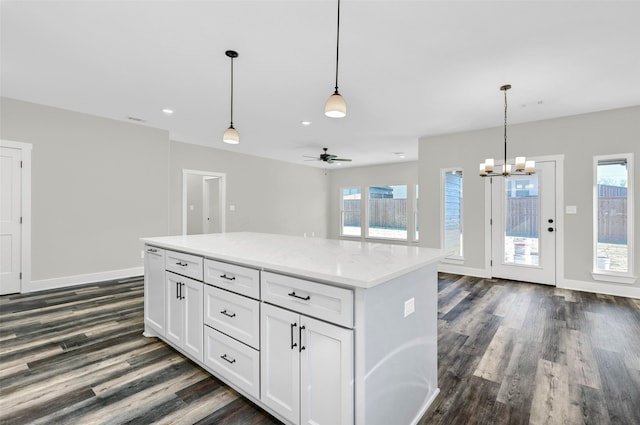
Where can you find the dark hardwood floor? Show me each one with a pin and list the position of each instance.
(509, 353)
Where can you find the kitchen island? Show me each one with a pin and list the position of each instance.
(312, 330)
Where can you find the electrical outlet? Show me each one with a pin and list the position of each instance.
(409, 306)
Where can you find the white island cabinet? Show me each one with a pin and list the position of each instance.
(315, 331)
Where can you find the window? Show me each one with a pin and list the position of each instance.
(387, 212)
(416, 217)
(613, 218)
(350, 212)
(452, 212)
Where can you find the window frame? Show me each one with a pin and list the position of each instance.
(342, 212)
(610, 275)
(457, 259)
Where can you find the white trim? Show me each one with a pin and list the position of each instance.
(25, 207)
(614, 277)
(223, 196)
(65, 281)
(463, 270)
(600, 288)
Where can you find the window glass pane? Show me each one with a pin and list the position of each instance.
(612, 251)
(387, 215)
(453, 212)
(351, 200)
(417, 217)
(522, 225)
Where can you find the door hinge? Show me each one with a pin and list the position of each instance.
(491, 262)
(490, 222)
(20, 220)
(20, 164)
(20, 275)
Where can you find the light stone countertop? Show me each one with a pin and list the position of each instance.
(349, 263)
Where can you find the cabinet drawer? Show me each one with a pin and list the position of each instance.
(233, 361)
(311, 298)
(184, 264)
(238, 279)
(232, 314)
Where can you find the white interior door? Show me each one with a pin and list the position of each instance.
(211, 205)
(10, 220)
(523, 226)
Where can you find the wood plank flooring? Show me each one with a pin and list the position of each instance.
(509, 353)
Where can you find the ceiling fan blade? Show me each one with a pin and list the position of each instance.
(342, 159)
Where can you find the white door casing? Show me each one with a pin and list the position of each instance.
(221, 178)
(15, 243)
(525, 249)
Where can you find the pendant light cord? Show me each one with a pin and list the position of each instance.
(337, 47)
(232, 92)
(505, 130)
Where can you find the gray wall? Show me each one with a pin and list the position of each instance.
(98, 185)
(579, 138)
(269, 196)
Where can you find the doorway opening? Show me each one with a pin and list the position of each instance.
(203, 202)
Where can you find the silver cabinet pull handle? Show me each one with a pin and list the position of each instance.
(181, 264)
(227, 314)
(224, 276)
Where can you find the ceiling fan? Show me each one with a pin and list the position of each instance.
(326, 157)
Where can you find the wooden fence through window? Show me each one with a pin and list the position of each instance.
(522, 219)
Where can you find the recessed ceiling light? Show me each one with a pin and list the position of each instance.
(307, 123)
(167, 111)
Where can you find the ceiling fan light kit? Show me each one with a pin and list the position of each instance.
(521, 166)
(336, 107)
(231, 135)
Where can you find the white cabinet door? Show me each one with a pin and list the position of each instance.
(154, 291)
(184, 314)
(193, 294)
(175, 309)
(326, 374)
(280, 361)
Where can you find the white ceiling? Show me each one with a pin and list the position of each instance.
(407, 68)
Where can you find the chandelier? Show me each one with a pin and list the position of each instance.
(521, 166)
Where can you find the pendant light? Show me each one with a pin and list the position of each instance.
(231, 135)
(522, 166)
(336, 107)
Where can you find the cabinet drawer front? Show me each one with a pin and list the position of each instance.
(232, 314)
(311, 298)
(238, 279)
(184, 264)
(233, 361)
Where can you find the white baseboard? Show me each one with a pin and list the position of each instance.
(600, 288)
(62, 282)
(462, 270)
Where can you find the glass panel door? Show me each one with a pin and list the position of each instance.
(523, 226)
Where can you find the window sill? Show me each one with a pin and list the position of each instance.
(613, 278)
(453, 260)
